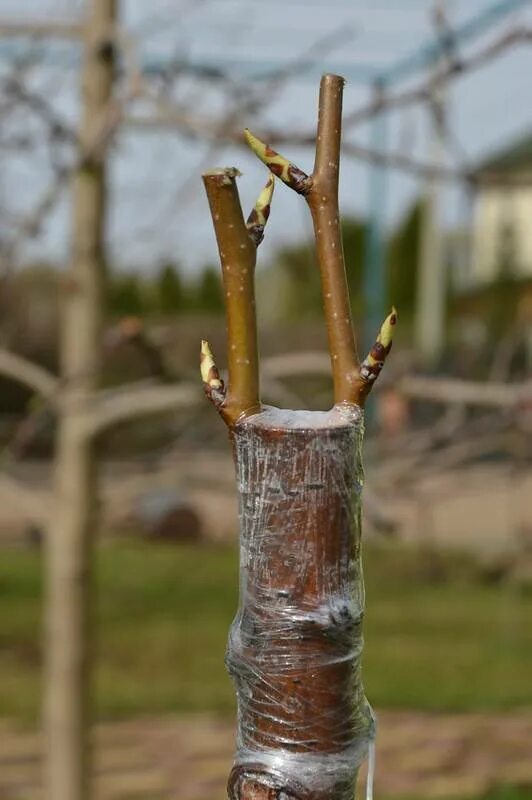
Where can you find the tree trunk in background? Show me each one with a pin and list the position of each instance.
(294, 652)
(432, 280)
(72, 524)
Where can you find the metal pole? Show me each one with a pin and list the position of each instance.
(374, 277)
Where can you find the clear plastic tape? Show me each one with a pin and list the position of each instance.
(294, 651)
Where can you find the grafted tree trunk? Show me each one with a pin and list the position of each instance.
(304, 725)
(72, 523)
(295, 646)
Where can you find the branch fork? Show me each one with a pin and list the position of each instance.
(237, 245)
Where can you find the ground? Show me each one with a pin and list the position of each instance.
(419, 755)
(448, 655)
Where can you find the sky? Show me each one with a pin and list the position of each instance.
(158, 209)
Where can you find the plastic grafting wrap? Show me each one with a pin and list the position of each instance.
(294, 651)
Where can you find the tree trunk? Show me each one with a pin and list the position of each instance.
(294, 651)
(72, 525)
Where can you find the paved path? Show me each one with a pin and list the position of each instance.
(188, 758)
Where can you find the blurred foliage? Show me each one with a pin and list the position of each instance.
(297, 264)
(209, 293)
(164, 294)
(502, 303)
(165, 611)
(302, 296)
(509, 793)
(480, 319)
(171, 294)
(125, 295)
(498, 312)
(500, 792)
(403, 264)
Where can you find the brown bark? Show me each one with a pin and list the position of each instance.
(323, 203)
(295, 645)
(72, 526)
(237, 246)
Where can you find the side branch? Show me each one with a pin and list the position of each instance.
(321, 193)
(323, 203)
(351, 382)
(329, 133)
(237, 248)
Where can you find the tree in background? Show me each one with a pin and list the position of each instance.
(209, 297)
(125, 295)
(70, 537)
(297, 263)
(301, 285)
(403, 263)
(353, 233)
(170, 294)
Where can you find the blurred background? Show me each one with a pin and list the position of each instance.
(436, 195)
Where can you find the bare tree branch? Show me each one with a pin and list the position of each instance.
(46, 29)
(453, 69)
(202, 128)
(191, 124)
(237, 245)
(126, 403)
(29, 374)
(448, 390)
(30, 225)
(438, 390)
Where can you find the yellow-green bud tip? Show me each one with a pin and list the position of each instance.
(385, 336)
(258, 147)
(278, 164)
(265, 197)
(209, 371)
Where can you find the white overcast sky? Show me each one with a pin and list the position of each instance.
(150, 221)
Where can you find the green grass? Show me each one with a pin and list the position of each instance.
(436, 639)
(502, 792)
